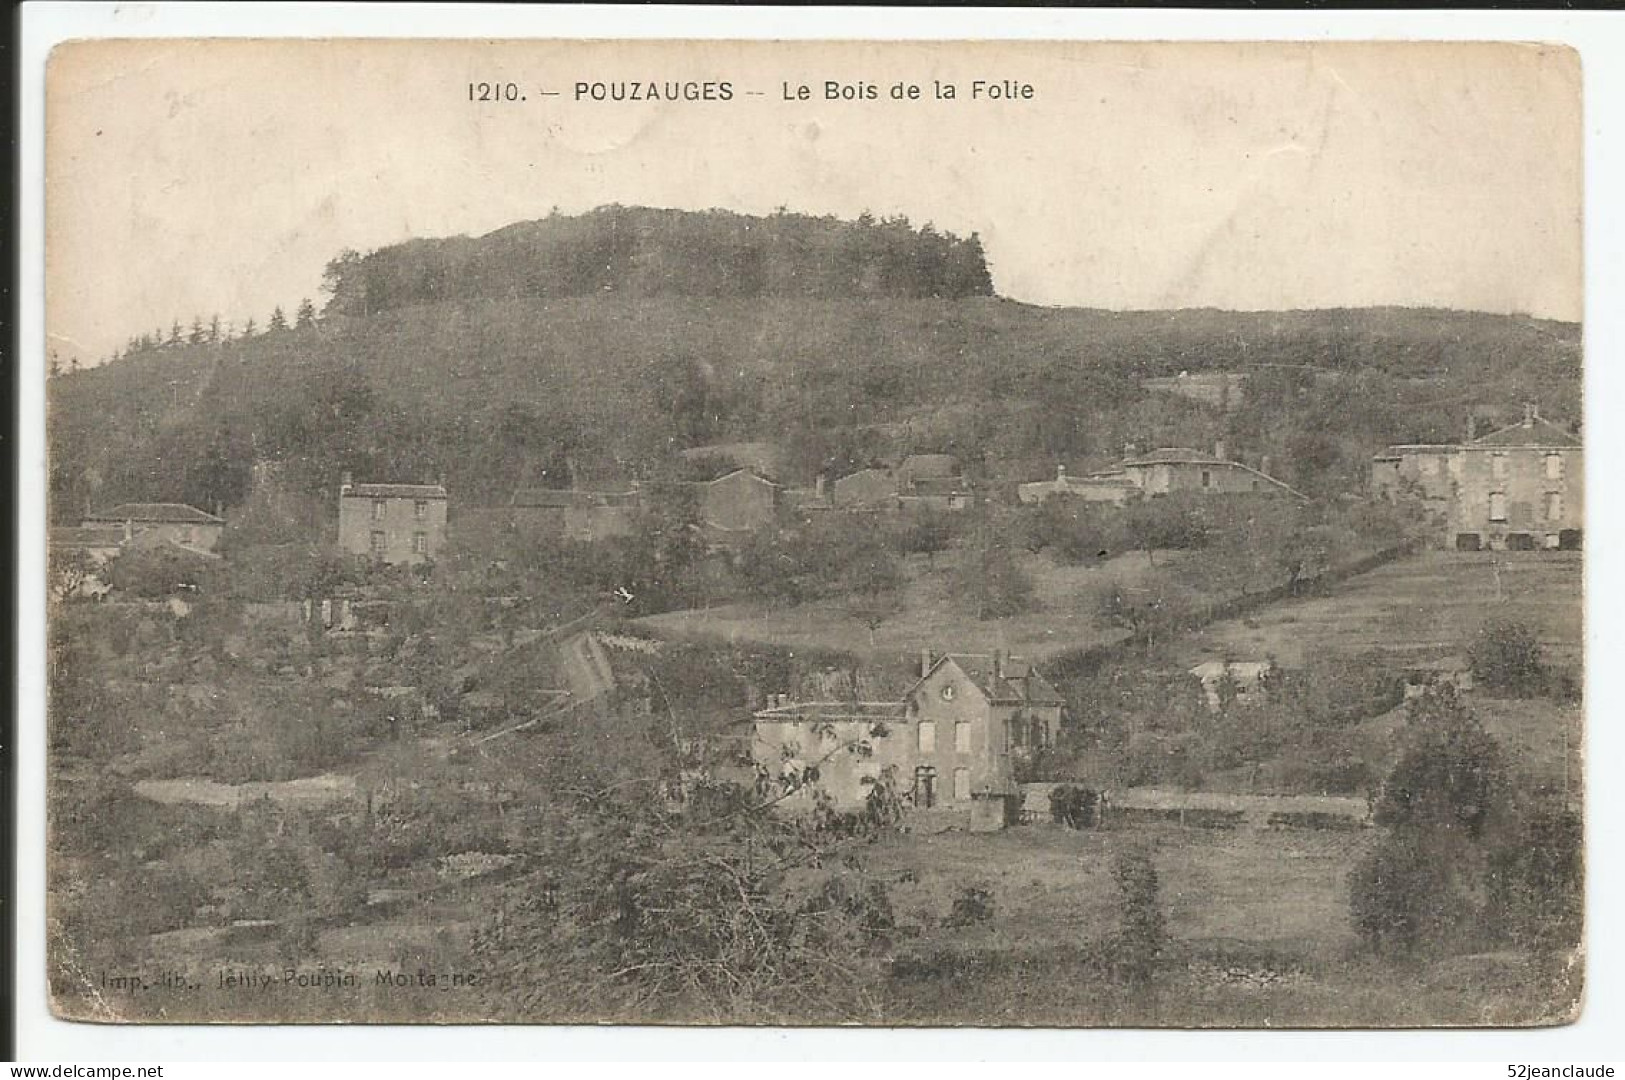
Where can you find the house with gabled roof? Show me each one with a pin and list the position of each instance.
(952, 743)
(176, 522)
(1178, 468)
(392, 523)
(1519, 487)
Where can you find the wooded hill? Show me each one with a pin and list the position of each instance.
(462, 365)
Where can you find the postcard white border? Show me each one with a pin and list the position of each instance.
(1600, 38)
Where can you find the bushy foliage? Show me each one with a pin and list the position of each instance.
(665, 252)
(989, 583)
(973, 904)
(1451, 773)
(1505, 657)
(157, 572)
(832, 556)
(1141, 932)
(1074, 807)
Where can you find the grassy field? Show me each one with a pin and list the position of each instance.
(1430, 605)
(928, 615)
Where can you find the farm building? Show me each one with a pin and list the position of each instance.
(585, 516)
(1181, 469)
(392, 523)
(1115, 489)
(866, 489)
(1518, 488)
(741, 501)
(1246, 680)
(951, 743)
(184, 525)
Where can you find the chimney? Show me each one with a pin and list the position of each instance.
(1129, 450)
(925, 662)
(1264, 465)
(1529, 414)
(998, 663)
(1472, 428)
(1060, 475)
(818, 488)
(345, 483)
(1218, 450)
(129, 530)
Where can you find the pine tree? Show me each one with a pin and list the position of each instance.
(249, 328)
(175, 333)
(306, 315)
(279, 321)
(56, 365)
(214, 330)
(198, 334)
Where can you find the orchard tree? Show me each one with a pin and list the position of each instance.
(1506, 659)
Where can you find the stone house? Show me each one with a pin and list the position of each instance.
(585, 516)
(1246, 679)
(392, 523)
(1182, 469)
(1115, 490)
(1519, 488)
(866, 489)
(741, 501)
(950, 744)
(176, 522)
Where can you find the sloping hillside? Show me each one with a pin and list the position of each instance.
(492, 393)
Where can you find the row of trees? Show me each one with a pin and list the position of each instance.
(212, 332)
(648, 252)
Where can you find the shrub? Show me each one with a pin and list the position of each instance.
(1074, 807)
(1141, 931)
(973, 905)
(1506, 659)
(1450, 775)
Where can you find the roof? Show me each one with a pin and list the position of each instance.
(866, 474)
(1176, 455)
(747, 473)
(1179, 455)
(394, 491)
(830, 711)
(166, 513)
(1534, 431)
(1021, 681)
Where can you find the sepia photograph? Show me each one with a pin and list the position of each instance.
(804, 533)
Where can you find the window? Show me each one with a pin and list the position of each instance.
(379, 508)
(380, 542)
(1498, 506)
(420, 543)
(928, 737)
(961, 784)
(1255, 485)
(1554, 506)
(1015, 733)
(1498, 466)
(1554, 466)
(1207, 478)
(420, 509)
(962, 737)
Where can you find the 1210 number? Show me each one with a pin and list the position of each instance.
(497, 91)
